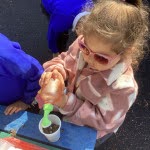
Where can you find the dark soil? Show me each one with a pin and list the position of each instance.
(51, 129)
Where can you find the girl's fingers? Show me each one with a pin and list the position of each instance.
(56, 75)
(13, 110)
(45, 78)
(41, 79)
(6, 110)
(61, 71)
(9, 110)
(17, 110)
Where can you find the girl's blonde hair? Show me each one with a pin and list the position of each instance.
(125, 24)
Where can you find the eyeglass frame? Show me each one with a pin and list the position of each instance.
(90, 52)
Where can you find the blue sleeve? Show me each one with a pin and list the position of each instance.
(58, 24)
(24, 69)
(16, 63)
(32, 75)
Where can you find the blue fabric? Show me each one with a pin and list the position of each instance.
(19, 73)
(62, 13)
(73, 137)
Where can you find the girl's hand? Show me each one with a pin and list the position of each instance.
(46, 76)
(52, 88)
(16, 107)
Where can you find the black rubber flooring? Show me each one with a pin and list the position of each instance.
(23, 21)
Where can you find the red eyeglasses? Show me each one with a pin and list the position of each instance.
(101, 58)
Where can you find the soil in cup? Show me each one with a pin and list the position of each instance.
(51, 129)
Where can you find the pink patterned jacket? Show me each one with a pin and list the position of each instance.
(99, 99)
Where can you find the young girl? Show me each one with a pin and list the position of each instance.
(19, 76)
(98, 67)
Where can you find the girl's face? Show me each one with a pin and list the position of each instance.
(97, 53)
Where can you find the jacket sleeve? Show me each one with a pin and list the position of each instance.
(15, 63)
(22, 66)
(106, 114)
(32, 76)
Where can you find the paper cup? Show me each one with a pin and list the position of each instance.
(53, 137)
